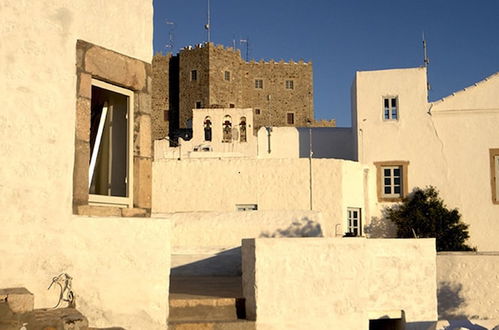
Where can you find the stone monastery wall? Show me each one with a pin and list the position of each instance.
(215, 76)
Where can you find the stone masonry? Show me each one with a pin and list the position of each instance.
(212, 76)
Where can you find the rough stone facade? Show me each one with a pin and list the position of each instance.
(222, 79)
(160, 95)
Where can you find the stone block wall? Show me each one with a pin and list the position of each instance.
(212, 89)
(160, 97)
(192, 91)
(226, 92)
(274, 100)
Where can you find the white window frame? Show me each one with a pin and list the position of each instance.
(350, 220)
(290, 84)
(392, 185)
(258, 83)
(391, 110)
(115, 200)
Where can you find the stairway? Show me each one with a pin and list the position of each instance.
(208, 303)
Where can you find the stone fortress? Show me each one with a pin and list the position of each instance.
(212, 76)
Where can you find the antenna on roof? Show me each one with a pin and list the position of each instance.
(426, 62)
(245, 41)
(171, 39)
(207, 25)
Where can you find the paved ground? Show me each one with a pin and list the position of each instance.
(205, 287)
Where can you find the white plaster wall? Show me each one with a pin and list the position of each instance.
(335, 283)
(120, 267)
(284, 143)
(37, 63)
(468, 287)
(208, 243)
(272, 184)
(236, 149)
(226, 229)
(110, 259)
(448, 149)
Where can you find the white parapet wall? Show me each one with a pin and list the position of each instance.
(209, 243)
(468, 289)
(120, 267)
(338, 283)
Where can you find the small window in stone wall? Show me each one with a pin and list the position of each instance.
(227, 129)
(194, 75)
(242, 129)
(232, 105)
(290, 118)
(257, 111)
(259, 83)
(290, 84)
(199, 105)
(227, 75)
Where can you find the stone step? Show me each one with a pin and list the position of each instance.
(217, 325)
(206, 309)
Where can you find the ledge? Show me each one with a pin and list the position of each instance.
(111, 211)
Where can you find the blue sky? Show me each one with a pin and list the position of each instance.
(341, 37)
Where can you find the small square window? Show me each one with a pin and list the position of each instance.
(390, 108)
(246, 207)
(392, 180)
(354, 222)
(194, 75)
(290, 118)
(257, 111)
(290, 84)
(232, 105)
(259, 83)
(199, 105)
(227, 75)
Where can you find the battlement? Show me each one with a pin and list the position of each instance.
(324, 123)
(208, 45)
(281, 62)
(237, 52)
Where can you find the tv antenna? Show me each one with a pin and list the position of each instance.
(245, 41)
(426, 62)
(171, 36)
(207, 25)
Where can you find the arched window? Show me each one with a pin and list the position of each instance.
(242, 129)
(207, 129)
(227, 129)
